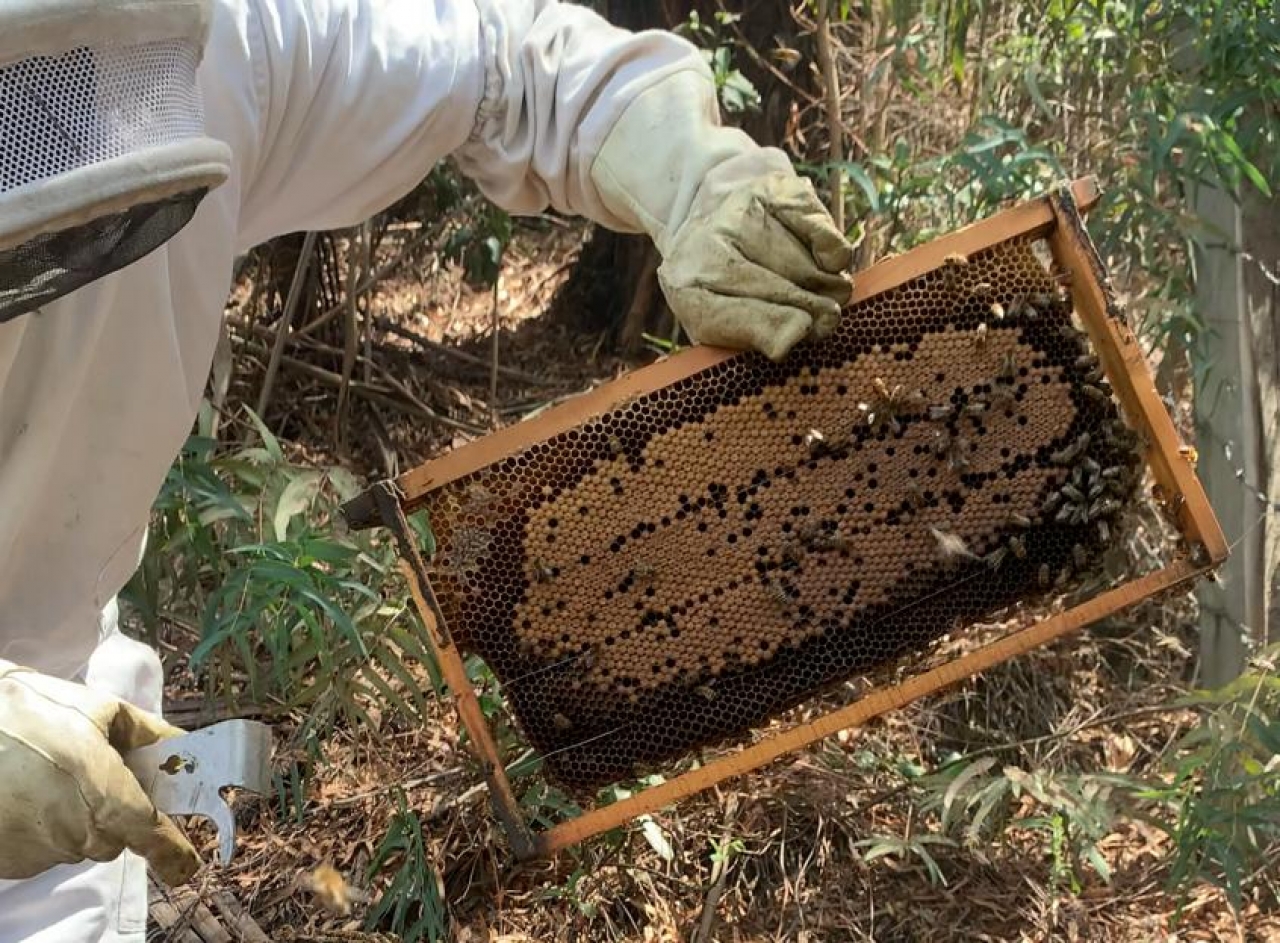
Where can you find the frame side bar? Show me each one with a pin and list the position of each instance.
(1033, 218)
(1126, 368)
(505, 805)
(873, 705)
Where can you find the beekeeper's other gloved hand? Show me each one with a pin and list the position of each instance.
(751, 258)
(65, 792)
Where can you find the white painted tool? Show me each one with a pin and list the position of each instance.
(186, 775)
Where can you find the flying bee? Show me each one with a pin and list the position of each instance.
(541, 572)
(705, 691)
(996, 557)
(958, 457)
(615, 446)
(562, 722)
(980, 336)
(1064, 575)
(997, 310)
(951, 547)
(982, 290)
(974, 409)
(816, 443)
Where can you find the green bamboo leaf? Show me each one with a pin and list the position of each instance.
(295, 499)
(272, 445)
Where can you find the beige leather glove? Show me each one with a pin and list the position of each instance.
(65, 793)
(751, 258)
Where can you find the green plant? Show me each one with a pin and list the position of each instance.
(889, 846)
(737, 93)
(242, 551)
(411, 906)
(1221, 798)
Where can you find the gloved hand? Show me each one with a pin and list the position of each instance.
(751, 258)
(65, 793)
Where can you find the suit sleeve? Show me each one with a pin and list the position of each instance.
(357, 99)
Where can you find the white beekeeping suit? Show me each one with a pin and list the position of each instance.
(316, 114)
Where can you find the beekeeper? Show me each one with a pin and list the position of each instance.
(143, 145)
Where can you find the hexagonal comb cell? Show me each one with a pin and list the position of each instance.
(684, 567)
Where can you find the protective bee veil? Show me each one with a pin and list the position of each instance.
(103, 155)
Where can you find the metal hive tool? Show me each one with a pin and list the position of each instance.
(682, 555)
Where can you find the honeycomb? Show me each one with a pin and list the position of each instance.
(686, 566)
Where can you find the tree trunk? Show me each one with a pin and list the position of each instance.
(1261, 231)
(1231, 440)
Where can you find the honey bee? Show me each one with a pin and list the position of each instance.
(1019, 520)
(541, 572)
(980, 336)
(996, 557)
(941, 413)
(951, 547)
(997, 310)
(1043, 575)
(1079, 556)
(1018, 547)
(1068, 454)
(952, 265)
(331, 889)
(982, 290)
(778, 595)
(644, 572)
(1008, 371)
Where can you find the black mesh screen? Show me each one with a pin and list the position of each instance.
(47, 267)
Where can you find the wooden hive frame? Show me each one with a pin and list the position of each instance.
(1055, 218)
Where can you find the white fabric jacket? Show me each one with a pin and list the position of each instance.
(333, 110)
